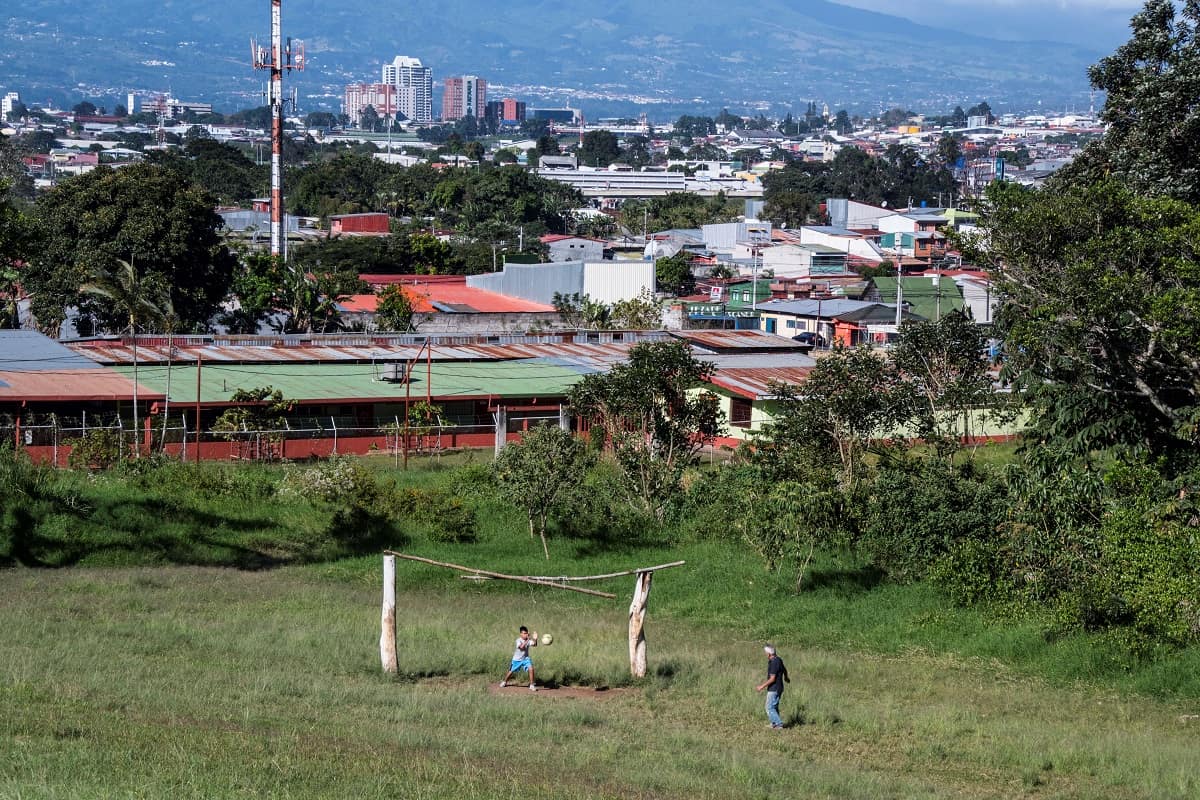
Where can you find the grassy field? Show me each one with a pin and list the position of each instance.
(124, 677)
(193, 682)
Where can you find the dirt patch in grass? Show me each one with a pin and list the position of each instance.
(558, 692)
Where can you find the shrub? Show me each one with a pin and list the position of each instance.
(342, 480)
(445, 516)
(918, 514)
(98, 449)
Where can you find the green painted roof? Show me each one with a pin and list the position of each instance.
(341, 382)
(922, 296)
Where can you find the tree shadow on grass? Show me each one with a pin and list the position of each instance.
(154, 531)
(848, 581)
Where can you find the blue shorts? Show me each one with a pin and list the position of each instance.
(519, 664)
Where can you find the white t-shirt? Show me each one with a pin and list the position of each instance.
(522, 649)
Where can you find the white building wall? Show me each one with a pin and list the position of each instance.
(897, 223)
(980, 298)
(614, 281)
(788, 261)
(725, 236)
(853, 246)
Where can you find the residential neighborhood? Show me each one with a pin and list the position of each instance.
(669, 400)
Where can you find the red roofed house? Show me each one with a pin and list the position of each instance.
(446, 303)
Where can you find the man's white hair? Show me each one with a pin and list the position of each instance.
(769, 649)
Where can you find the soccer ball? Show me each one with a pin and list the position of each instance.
(547, 639)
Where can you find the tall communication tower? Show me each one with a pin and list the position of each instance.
(277, 59)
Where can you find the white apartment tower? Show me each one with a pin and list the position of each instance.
(414, 87)
(7, 104)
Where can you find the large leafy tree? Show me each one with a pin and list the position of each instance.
(147, 215)
(222, 169)
(348, 184)
(599, 149)
(1100, 310)
(653, 413)
(1153, 119)
(674, 274)
(16, 245)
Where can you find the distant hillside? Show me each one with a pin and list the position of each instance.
(675, 54)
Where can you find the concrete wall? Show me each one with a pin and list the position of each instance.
(788, 261)
(725, 235)
(487, 323)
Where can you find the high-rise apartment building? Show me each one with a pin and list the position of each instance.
(380, 96)
(414, 87)
(7, 104)
(464, 97)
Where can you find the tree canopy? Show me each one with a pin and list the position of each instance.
(1150, 110)
(148, 215)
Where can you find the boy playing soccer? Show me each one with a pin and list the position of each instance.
(520, 659)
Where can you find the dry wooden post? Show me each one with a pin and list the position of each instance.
(501, 417)
(637, 623)
(387, 637)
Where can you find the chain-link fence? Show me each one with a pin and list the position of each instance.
(87, 440)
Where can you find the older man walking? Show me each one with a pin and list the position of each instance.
(777, 676)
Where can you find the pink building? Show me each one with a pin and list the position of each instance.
(380, 96)
(464, 97)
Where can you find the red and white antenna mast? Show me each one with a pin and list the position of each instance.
(278, 59)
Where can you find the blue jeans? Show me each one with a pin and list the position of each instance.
(773, 708)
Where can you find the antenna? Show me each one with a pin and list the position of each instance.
(278, 59)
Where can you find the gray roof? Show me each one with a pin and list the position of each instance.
(30, 351)
(809, 308)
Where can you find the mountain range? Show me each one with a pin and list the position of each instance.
(665, 57)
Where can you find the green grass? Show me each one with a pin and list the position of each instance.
(154, 681)
(191, 682)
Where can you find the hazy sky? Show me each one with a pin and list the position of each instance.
(1098, 24)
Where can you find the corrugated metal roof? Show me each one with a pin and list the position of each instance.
(332, 382)
(755, 383)
(717, 340)
(809, 308)
(30, 351)
(116, 352)
(460, 299)
(67, 385)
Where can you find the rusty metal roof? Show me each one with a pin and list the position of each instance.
(34, 367)
(71, 385)
(156, 352)
(754, 383)
(743, 340)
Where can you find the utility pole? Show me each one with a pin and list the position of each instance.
(277, 59)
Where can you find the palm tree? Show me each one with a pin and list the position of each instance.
(133, 296)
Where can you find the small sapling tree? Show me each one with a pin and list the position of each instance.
(545, 466)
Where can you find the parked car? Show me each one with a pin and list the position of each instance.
(810, 338)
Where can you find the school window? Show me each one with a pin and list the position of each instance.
(740, 413)
(791, 323)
